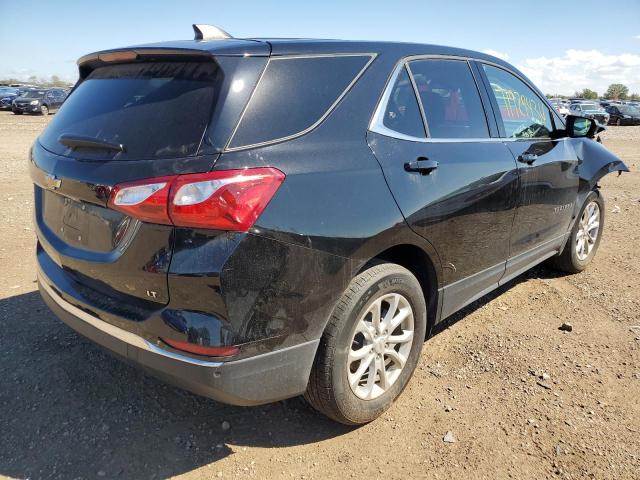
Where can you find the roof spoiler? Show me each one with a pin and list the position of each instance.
(209, 32)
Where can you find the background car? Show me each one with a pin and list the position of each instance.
(560, 107)
(624, 115)
(590, 110)
(42, 101)
(7, 94)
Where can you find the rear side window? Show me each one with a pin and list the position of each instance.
(450, 99)
(294, 94)
(402, 114)
(523, 113)
(156, 110)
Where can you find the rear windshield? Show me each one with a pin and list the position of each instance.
(294, 94)
(156, 110)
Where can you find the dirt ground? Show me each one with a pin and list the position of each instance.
(522, 398)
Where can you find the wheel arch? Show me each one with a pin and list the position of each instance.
(420, 263)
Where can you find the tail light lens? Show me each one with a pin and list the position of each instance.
(221, 200)
(224, 200)
(145, 200)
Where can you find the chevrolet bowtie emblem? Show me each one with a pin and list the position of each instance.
(52, 182)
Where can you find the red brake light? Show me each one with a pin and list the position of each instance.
(201, 349)
(221, 200)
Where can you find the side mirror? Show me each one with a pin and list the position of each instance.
(578, 127)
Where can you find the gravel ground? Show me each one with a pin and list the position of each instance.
(512, 395)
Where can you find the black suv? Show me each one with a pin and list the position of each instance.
(623, 115)
(41, 101)
(254, 219)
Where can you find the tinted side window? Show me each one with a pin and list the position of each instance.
(293, 94)
(524, 114)
(402, 114)
(450, 99)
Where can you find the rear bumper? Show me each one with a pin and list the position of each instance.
(255, 380)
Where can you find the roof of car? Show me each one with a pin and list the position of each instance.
(295, 46)
(301, 46)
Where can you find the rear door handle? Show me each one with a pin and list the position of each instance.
(528, 158)
(422, 165)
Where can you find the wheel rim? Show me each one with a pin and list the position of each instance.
(44, 110)
(588, 230)
(380, 346)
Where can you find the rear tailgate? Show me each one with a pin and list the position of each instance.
(170, 116)
(105, 250)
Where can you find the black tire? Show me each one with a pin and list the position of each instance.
(329, 391)
(568, 260)
(44, 110)
(16, 112)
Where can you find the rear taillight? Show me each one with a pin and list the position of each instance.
(146, 200)
(221, 200)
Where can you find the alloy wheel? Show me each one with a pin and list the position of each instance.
(588, 230)
(380, 346)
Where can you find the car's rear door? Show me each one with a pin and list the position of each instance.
(454, 181)
(547, 168)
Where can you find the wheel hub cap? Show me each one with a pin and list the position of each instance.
(588, 230)
(380, 346)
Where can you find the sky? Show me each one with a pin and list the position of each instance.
(562, 45)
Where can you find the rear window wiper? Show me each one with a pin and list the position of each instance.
(79, 141)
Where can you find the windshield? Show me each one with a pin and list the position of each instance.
(8, 91)
(34, 94)
(156, 110)
(590, 106)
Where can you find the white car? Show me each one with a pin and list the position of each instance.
(560, 107)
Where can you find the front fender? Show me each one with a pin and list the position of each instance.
(594, 162)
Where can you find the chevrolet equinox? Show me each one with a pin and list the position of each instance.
(255, 219)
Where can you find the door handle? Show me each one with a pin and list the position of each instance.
(422, 165)
(528, 158)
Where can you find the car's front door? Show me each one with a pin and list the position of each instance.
(454, 181)
(547, 169)
(615, 114)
